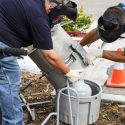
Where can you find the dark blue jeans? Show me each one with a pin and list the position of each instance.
(10, 77)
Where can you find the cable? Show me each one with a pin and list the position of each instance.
(70, 103)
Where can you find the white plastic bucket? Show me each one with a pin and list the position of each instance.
(89, 106)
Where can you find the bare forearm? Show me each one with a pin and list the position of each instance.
(56, 61)
(59, 64)
(90, 37)
(114, 55)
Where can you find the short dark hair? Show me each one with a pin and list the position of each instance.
(113, 15)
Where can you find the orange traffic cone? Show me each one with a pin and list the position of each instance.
(118, 76)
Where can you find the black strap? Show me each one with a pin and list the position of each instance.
(74, 50)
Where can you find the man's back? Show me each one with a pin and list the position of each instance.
(16, 18)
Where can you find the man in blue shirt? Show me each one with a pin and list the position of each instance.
(110, 27)
(24, 23)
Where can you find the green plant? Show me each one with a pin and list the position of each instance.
(81, 24)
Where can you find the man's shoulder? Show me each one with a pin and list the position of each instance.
(27, 6)
(23, 3)
(122, 5)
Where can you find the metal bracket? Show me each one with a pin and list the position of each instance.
(70, 60)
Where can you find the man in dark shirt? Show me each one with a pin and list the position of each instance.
(24, 23)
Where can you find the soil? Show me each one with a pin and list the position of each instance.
(40, 90)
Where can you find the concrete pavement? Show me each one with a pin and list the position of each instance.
(96, 7)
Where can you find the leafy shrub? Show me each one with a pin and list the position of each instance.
(81, 24)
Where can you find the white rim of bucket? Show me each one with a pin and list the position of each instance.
(88, 97)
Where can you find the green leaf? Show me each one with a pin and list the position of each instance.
(81, 24)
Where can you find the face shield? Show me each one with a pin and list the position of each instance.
(63, 8)
(109, 30)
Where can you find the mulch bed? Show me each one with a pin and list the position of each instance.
(40, 90)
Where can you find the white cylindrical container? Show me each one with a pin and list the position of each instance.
(89, 106)
(83, 89)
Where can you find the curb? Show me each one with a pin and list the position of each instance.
(113, 98)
